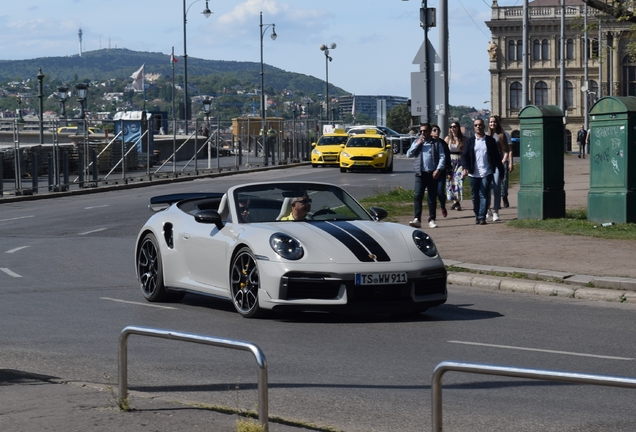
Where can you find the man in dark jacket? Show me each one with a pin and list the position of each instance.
(480, 158)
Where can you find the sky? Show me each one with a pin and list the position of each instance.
(377, 40)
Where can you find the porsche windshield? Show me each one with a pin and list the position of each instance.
(274, 202)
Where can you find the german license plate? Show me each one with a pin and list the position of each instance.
(380, 278)
(361, 163)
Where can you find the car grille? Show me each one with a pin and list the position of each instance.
(361, 158)
(296, 286)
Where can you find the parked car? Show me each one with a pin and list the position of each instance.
(242, 246)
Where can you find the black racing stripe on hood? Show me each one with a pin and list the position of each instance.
(351, 243)
(368, 241)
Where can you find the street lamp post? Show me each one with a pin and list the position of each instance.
(82, 90)
(328, 58)
(263, 29)
(62, 94)
(206, 13)
(19, 125)
(207, 107)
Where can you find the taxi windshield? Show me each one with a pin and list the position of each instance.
(364, 142)
(332, 140)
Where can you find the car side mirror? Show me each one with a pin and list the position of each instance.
(209, 217)
(378, 213)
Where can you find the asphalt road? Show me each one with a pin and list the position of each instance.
(68, 288)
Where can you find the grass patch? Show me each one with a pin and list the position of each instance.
(399, 203)
(576, 223)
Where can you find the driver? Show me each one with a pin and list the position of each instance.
(300, 207)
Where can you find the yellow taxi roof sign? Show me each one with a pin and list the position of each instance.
(339, 131)
(371, 131)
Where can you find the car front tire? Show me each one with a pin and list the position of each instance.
(150, 272)
(245, 283)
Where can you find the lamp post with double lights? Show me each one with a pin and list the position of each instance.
(324, 48)
(263, 28)
(206, 13)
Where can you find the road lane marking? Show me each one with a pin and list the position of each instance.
(17, 218)
(9, 272)
(137, 303)
(94, 207)
(541, 350)
(16, 249)
(93, 231)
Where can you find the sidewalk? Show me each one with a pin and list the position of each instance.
(554, 264)
(40, 403)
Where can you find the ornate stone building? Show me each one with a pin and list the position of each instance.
(610, 68)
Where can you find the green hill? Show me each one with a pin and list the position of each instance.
(107, 64)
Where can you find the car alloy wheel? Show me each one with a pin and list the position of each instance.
(245, 283)
(150, 272)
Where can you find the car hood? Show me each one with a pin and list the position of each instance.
(329, 148)
(363, 151)
(350, 242)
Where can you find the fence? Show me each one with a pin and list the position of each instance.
(201, 339)
(85, 154)
(539, 374)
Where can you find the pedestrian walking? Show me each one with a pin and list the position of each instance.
(495, 130)
(429, 164)
(455, 141)
(581, 139)
(441, 185)
(480, 159)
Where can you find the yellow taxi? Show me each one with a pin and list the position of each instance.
(369, 150)
(75, 130)
(327, 150)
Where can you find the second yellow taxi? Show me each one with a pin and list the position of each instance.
(369, 150)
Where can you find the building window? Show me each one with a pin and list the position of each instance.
(569, 94)
(536, 50)
(569, 49)
(519, 50)
(593, 89)
(541, 93)
(629, 77)
(515, 95)
(511, 50)
(544, 50)
(593, 48)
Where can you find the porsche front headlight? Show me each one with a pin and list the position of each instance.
(285, 246)
(424, 243)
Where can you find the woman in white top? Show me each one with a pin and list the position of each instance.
(495, 130)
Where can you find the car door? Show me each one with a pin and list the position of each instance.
(205, 249)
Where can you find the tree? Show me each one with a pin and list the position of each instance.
(399, 118)
(622, 10)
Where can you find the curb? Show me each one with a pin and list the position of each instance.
(497, 283)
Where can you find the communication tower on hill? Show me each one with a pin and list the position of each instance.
(79, 34)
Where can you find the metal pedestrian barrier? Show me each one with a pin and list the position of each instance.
(201, 339)
(538, 374)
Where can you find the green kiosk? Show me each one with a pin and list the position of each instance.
(612, 195)
(541, 194)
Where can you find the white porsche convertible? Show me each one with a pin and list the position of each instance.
(270, 246)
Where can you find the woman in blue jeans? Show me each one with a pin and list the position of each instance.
(495, 130)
